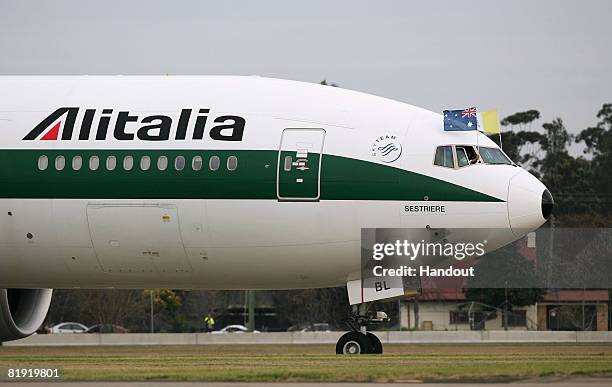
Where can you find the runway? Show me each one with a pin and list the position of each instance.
(571, 382)
(401, 363)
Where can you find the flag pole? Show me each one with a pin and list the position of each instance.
(477, 146)
(499, 129)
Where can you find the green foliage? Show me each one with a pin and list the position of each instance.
(579, 185)
(514, 144)
(522, 146)
(165, 299)
(167, 305)
(328, 305)
(556, 139)
(521, 118)
(598, 141)
(511, 270)
(324, 82)
(568, 178)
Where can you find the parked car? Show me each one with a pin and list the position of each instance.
(316, 327)
(68, 327)
(106, 328)
(232, 329)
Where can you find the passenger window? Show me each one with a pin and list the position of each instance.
(43, 162)
(462, 159)
(77, 163)
(196, 163)
(111, 163)
(162, 163)
(128, 163)
(145, 163)
(444, 156)
(60, 162)
(94, 163)
(179, 163)
(232, 163)
(214, 163)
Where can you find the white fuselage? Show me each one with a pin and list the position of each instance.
(257, 226)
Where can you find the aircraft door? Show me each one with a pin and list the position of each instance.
(299, 164)
(137, 239)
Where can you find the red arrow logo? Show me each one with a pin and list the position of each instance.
(53, 133)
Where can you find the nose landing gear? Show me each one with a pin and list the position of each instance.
(358, 340)
(357, 343)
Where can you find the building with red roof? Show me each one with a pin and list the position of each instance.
(442, 305)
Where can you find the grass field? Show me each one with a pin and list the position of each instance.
(457, 362)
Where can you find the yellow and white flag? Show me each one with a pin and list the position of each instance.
(488, 122)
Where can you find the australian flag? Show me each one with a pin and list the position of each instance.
(460, 120)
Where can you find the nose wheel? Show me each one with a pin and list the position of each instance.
(359, 341)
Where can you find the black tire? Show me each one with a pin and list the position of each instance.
(353, 343)
(375, 344)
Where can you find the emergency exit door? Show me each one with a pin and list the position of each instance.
(299, 164)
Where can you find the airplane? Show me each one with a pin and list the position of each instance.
(230, 182)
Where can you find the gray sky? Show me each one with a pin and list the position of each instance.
(555, 56)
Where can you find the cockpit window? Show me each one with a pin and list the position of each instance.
(494, 156)
(444, 156)
(466, 155)
(462, 159)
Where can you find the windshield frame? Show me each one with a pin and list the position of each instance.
(453, 155)
(495, 149)
(480, 160)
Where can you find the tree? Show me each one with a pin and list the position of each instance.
(313, 305)
(515, 144)
(556, 139)
(522, 145)
(112, 306)
(324, 82)
(167, 304)
(568, 178)
(546, 155)
(598, 141)
(515, 275)
(521, 119)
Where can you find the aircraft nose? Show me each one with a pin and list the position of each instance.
(547, 204)
(529, 203)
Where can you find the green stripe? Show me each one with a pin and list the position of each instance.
(342, 178)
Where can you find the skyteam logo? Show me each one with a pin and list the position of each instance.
(387, 148)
